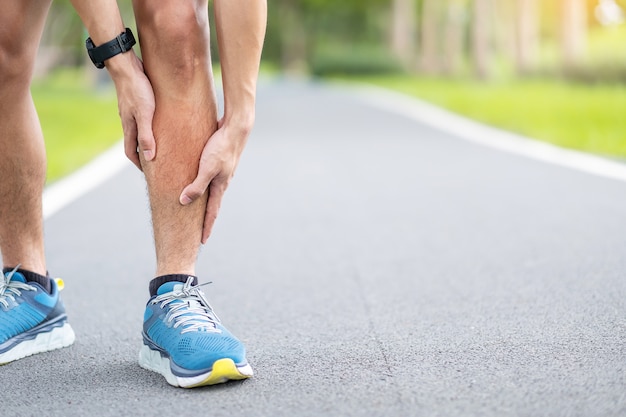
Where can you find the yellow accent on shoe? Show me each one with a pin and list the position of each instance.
(60, 283)
(224, 370)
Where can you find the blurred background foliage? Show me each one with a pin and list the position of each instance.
(488, 39)
(554, 70)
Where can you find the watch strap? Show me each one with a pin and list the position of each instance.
(120, 44)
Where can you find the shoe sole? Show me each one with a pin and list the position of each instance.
(57, 338)
(224, 370)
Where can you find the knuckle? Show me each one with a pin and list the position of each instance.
(196, 191)
(144, 141)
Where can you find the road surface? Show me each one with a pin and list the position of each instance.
(373, 266)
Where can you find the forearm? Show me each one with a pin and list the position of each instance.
(135, 97)
(240, 26)
(103, 21)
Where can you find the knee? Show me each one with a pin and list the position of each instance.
(16, 65)
(175, 34)
(175, 22)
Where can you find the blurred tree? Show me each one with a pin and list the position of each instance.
(573, 30)
(481, 37)
(293, 37)
(505, 37)
(454, 36)
(325, 35)
(403, 30)
(429, 59)
(526, 35)
(62, 39)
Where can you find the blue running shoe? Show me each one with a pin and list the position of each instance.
(31, 320)
(184, 341)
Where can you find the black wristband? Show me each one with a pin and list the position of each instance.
(98, 54)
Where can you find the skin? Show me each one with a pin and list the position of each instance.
(189, 159)
(134, 92)
(240, 27)
(23, 162)
(23, 166)
(175, 40)
(175, 48)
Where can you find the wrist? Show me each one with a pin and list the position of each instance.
(241, 122)
(120, 44)
(237, 132)
(124, 66)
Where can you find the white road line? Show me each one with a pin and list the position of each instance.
(67, 190)
(476, 132)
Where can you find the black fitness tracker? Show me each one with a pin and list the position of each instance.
(98, 54)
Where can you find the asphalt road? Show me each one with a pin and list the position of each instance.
(372, 265)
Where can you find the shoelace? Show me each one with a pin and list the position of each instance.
(189, 308)
(10, 289)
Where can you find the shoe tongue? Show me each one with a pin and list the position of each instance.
(16, 277)
(169, 287)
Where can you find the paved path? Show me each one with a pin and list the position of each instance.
(373, 267)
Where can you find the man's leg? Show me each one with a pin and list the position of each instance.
(23, 161)
(32, 318)
(174, 38)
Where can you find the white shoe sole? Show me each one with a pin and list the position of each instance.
(57, 338)
(223, 370)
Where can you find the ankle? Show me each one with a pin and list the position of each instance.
(160, 280)
(31, 276)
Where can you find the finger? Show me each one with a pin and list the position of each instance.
(145, 137)
(216, 193)
(199, 185)
(130, 143)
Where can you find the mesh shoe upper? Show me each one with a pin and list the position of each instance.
(25, 306)
(181, 324)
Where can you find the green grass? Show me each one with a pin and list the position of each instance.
(78, 121)
(584, 117)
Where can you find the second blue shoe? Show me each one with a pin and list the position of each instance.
(184, 340)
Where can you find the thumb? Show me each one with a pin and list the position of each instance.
(145, 137)
(130, 143)
(195, 189)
